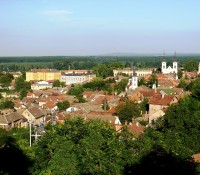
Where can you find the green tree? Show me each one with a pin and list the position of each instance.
(7, 104)
(182, 84)
(128, 110)
(116, 65)
(63, 105)
(191, 65)
(20, 84)
(153, 80)
(76, 90)
(121, 86)
(102, 70)
(79, 147)
(56, 83)
(142, 82)
(180, 74)
(1, 96)
(6, 79)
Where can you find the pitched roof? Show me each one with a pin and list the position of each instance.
(36, 112)
(149, 93)
(161, 99)
(9, 118)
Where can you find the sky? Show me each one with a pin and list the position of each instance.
(96, 27)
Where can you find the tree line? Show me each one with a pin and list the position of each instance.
(89, 62)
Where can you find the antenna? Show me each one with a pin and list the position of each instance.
(164, 55)
(175, 56)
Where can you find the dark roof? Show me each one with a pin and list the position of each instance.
(36, 112)
(9, 118)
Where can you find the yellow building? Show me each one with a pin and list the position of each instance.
(43, 74)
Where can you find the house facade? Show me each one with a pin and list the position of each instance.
(43, 74)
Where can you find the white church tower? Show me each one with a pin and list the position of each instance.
(134, 81)
(198, 69)
(164, 67)
(175, 67)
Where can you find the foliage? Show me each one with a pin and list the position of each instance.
(7, 104)
(56, 83)
(191, 65)
(13, 160)
(182, 120)
(76, 90)
(63, 105)
(128, 110)
(180, 74)
(97, 84)
(1, 96)
(6, 79)
(22, 86)
(194, 87)
(102, 70)
(153, 80)
(144, 105)
(142, 82)
(79, 147)
(121, 86)
(182, 84)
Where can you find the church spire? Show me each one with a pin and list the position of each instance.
(175, 56)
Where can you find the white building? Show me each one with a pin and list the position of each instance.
(41, 85)
(77, 78)
(134, 81)
(169, 69)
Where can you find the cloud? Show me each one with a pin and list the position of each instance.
(58, 15)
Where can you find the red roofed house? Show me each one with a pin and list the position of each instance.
(158, 104)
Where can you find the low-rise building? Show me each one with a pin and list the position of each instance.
(129, 71)
(41, 85)
(74, 77)
(43, 74)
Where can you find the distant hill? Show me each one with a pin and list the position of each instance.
(148, 54)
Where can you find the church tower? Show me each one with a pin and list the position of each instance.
(164, 66)
(175, 65)
(198, 69)
(134, 80)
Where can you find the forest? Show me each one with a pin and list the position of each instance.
(88, 62)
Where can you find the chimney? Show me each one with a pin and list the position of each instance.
(137, 124)
(163, 95)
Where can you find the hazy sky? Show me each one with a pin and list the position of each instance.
(92, 27)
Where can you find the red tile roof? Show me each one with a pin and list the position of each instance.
(161, 99)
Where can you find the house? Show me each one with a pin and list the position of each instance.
(41, 85)
(11, 120)
(36, 115)
(158, 104)
(34, 94)
(72, 109)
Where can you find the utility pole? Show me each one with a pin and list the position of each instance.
(30, 130)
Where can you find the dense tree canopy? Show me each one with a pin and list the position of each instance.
(6, 79)
(79, 147)
(63, 105)
(128, 110)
